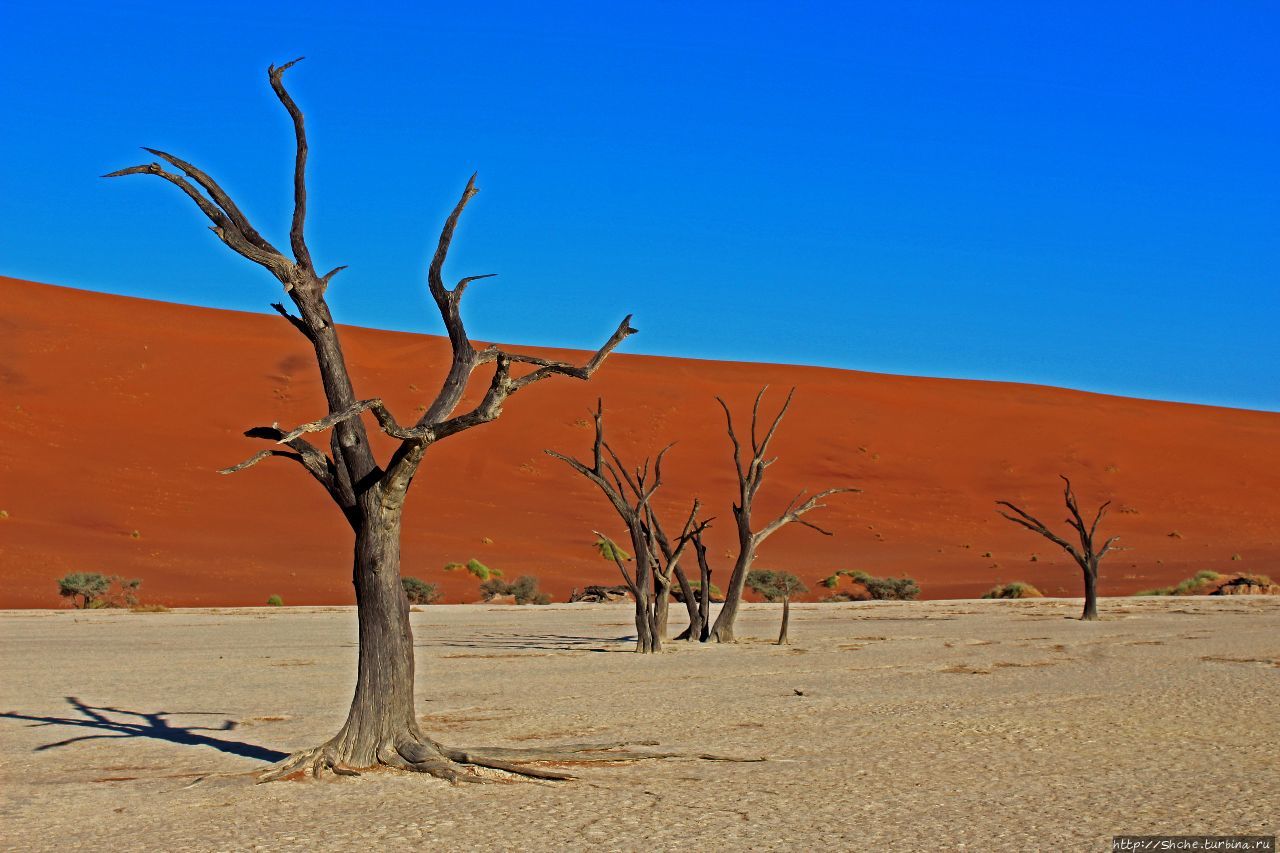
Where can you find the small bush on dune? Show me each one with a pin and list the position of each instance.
(876, 589)
(148, 608)
(419, 591)
(677, 593)
(88, 586)
(1207, 583)
(275, 601)
(888, 589)
(97, 591)
(524, 589)
(1197, 584)
(1015, 589)
(476, 568)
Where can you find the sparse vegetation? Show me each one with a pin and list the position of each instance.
(868, 587)
(97, 591)
(419, 591)
(611, 551)
(524, 589)
(1207, 582)
(1198, 584)
(148, 608)
(475, 567)
(1014, 589)
(275, 601)
(87, 586)
(717, 596)
(776, 586)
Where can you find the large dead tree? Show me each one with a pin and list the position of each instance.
(381, 728)
(750, 478)
(656, 558)
(1084, 555)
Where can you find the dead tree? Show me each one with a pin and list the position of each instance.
(1084, 555)
(657, 559)
(750, 477)
(381, 727)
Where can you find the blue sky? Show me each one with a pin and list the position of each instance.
(1083, 194)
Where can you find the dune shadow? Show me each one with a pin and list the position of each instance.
(145, 725)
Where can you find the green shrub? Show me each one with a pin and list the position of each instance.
(275, 601)
(524, 589)
(98, 591)
(879, 589)
(1014, 589)
(889, 589)
(419, 591)
(678, 594)
(1197, 584)
(89, 586)
(610, 550)
(774, 586)
(475, 567)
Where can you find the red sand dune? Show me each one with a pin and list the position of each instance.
(118, 411)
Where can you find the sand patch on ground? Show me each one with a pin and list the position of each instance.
(995, 725)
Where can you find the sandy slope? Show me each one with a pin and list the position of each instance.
(935, 725)
(116, 413)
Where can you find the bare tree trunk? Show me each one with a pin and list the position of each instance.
(1090, 595)
(722, 631)
(694, 629)
(704, 593)
(661, 606)
(382, 714)
(786, 618)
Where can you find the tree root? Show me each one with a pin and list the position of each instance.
(456, 765)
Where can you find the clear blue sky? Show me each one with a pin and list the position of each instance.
(1080, 194)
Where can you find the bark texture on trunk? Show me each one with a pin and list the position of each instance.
(1090, 594)
(1085, 555)
(786, 619)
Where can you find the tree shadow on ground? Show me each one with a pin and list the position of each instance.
(147, 725)
(545, 642)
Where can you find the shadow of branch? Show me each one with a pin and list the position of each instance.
(136, 724)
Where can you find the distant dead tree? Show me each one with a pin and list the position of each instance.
(656, 558)
(750, 477)
(777, 586)
(1084, 555)
(381, 727)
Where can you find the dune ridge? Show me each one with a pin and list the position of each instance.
(118, 412)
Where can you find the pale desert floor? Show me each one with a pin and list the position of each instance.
(937, 725)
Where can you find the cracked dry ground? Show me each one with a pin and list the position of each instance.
(986, 725)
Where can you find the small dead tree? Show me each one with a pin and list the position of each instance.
(657, 559)
(750, 477)
(1084, 555)
(777, 586)
(381, 727)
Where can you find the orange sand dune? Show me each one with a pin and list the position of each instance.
(118, 411)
